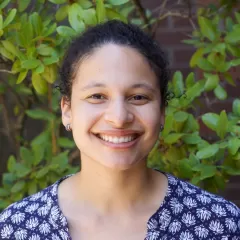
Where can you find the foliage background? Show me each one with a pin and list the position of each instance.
(33, 37)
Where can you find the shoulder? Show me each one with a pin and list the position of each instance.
(202, 212)
(37, 213)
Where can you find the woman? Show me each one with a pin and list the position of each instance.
(114, 85)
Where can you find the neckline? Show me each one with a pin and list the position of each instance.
(168, 195)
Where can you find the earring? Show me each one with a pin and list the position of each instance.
(161, 128)
(68, 128)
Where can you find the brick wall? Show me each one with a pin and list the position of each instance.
(170, 33)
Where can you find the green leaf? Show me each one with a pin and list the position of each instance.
(118, 2)
(23, 4)
(168, 125)
(85, 3)
(232, 171)
(173, 138)
(10, 47)
(61, 159)
(185, 169)
(45, 50)
(180, 116)
(211, 120)
(4, 192)
(220, 48)
(233, 145)
(100, 10)
(39, 84)
(11, 164)
(22, 170)
(50, 60)
(222, 124)
(40, 114)
(233, 37)
(17, 187)
(237, 16)
(89, 16)
(208, 171)
(229, 79)
(208, 151)
(190, 80)
(205, 65)
(235, 62)
(6, 54)
(62, 13)
(58, 1)
(11, 15)
(32, 187)
(27, 156)
(38, 149)
(74, 18)
(220, 92)
(236, 107)
(196, 90)
(4, 3)
(37, 24)
(178, 83)
(21, 76)
(212, 81)
(207, 28)
(41, 173)
(65, 31)
(50, 73)
(192, 139)
(113, 14)
(30, 63)
(196, 57)
(65, 142)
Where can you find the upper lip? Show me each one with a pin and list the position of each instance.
(119, 133)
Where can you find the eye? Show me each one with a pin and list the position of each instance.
(96, 98)
(139, 99)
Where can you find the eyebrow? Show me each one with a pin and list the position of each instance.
(137, 85)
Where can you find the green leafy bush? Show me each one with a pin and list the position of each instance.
(33, 38)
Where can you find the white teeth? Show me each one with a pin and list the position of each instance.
(116, 139)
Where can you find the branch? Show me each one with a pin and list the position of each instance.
(7, 121)
(6, 71)
(142, 13)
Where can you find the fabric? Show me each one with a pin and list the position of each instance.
(187, 213)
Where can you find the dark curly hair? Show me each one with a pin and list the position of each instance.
(119, 33)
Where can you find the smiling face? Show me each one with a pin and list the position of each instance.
(115, 111)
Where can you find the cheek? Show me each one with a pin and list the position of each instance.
(151, 117)
(84, 115)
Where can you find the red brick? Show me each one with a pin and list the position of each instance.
(182, 57)
(170, 38)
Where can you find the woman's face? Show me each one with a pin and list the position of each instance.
(115, 111)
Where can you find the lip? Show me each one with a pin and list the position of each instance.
(119, 133)
(118, 145)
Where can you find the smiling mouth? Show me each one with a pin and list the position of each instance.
(118, 140)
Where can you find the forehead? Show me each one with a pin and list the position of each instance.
(115, 64)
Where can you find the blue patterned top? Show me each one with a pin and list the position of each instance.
(187, 213)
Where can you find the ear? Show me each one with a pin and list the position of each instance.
(66, 111)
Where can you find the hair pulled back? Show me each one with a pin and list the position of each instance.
(119, 33)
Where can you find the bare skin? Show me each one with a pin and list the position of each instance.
(115, 193)
(118, 215)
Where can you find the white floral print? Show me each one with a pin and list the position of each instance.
(187, 213)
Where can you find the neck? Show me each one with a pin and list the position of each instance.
(111, 190)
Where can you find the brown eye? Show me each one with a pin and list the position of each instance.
(139, 99)
(97, 96)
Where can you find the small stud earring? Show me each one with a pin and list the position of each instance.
(68, 128)
(161, 128)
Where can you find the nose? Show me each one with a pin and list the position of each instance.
(117, 114)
